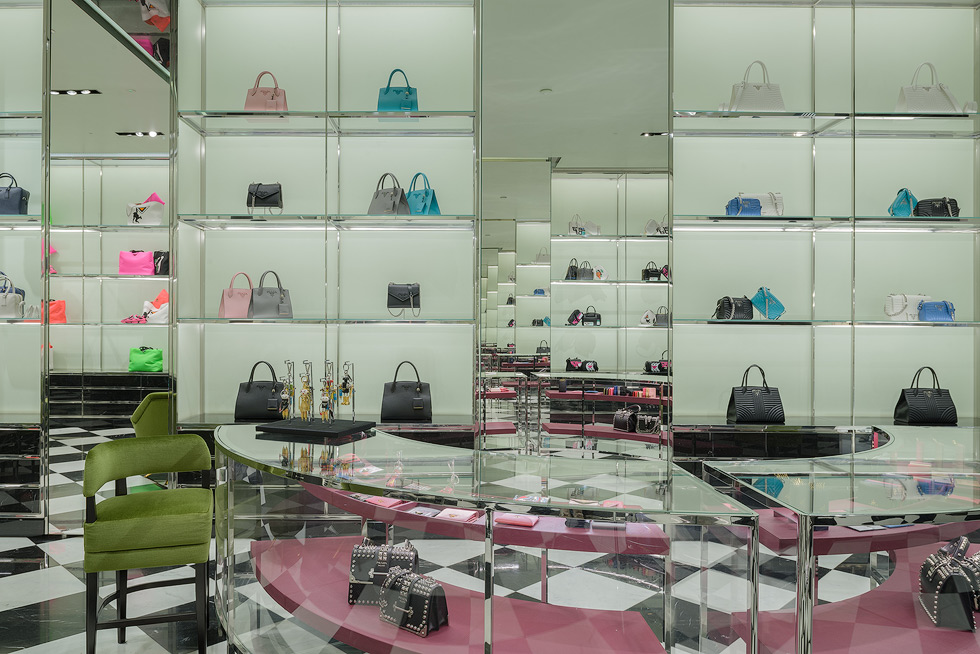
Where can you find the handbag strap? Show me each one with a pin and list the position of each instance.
(731, 302)
(274, 81)
(577, 220)
(590, 307)
(543, 342)
(572, 262)
(262, 279)
(13, 182)
(394, 180)
(652, 265)
(7, 288)
(397, 70)
(948, 206)
(934, 78)
(424, 178)
(935, 378)
(585, 264)
(543, 250)
(417, 378)
(905, 305)
(231, 284)
(665, 312)
(251, 375)
(765, 72)
(663, 355)
(745, 377)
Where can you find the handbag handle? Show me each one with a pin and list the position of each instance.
(765, 72)
(585, 264)
(262, 279)
(543, 250)
(394, 180)
(666, 311)
(654, 267)
(905, 305)
(397, 70)
(577, 220)
(573, 262)
(731, 302)
(417, 378)
(424, 178)
(251, 375)
(933, 78)
(590, 307)
(231, 284)
(935, 378)
(7, 288)
(545, 343)
(745, 377)
(274, 81)
(663, 355)
(13, 182)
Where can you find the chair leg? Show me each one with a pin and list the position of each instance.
(91, 606)
(201, 592)
(121, 579)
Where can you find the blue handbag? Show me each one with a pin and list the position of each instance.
(903, 205)
(422, 202)
(743, 207)
(398, 98)
(767, 304)
(539, 291)
(937, 311)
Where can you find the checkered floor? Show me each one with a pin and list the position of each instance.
(42, 589)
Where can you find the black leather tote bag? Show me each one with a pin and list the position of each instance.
(925, 406)
(259, 400)
(406, 401)
(758, 405)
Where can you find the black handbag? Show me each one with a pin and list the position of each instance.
(405, 296)
(661, 367)
(259, 400)
(537, 322)
(755, 404)
(13, 199)
(264, 196)
(406, 401)
(543, 348)
(574, 364)
(510, 299)
(733, 308)
(369, 567)
(651, 272)
(937, 207)
(161, 262)
(575, 317)
(948, 586)
(925, 406)
(413, 602)
(625, 419)
(585, 271)
(571, 273)
(591, 317)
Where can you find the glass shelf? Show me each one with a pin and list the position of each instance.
(20, 124)
(333, 123)
(258, 123)
(754, 123)
(113, 276)
(534, 265)
(108, 228)
(251, 321)
(825, 322)
(259, 221)
(371, 222)
(89, 323)
(18, 222)
(581, 327)
(415, 123)
(695, 223)
(325, 321)
(624, 237)
(530, 297)
(609, 282)
(331, 3)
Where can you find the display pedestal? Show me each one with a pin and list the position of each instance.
(316, 431)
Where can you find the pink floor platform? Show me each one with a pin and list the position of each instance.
(310, 578)
(600, 431)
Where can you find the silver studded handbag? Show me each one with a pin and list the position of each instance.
(947, 587)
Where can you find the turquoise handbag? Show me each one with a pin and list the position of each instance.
(398, 98)
(422, 202)
(767, 304)
(903, 205)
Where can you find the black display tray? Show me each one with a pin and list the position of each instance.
(302, 431)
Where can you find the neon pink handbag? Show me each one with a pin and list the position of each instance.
(264, 98)
(135, 262)
(236, 302)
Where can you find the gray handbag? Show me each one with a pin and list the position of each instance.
(13, 199)
(11, 304)
(662, 318)
(389, 201)
(271, 302)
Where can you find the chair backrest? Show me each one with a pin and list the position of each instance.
(130, 457)
(153, 416)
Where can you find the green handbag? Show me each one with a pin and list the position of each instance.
(145, 359)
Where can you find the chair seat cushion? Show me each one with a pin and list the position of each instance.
(151, 520)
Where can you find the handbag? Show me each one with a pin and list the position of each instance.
(574, 364)
(542, 256)
(264, 98)
(661, 367)
(591, 229)
(145, 359)
(943, 311)
(584, 271)
(755, 404)
(904, 307)
(146, 213)
(661, 318)
(767, 304)
(733, 308)
(413, 602)
(739, 206)
(9, 285)
(264, 196)
(576, 227)
(572, 272)
(592, 317)
(404, 296)
(543, 348)
(625, 419)
(406, 401)
(273, 302)
(769, 204)
(654, 227)
(259, 400)
(936, 98)
(925, 406)
(161, 262)
(948, 586)
(57, 313)
(903, 204)
(398, 98)
(11, 303)
(135, 262)
(13, 199)
(423, 201)
(937, 207)
(756, 96)
(651, 272)
(575, 317)
(389, 201)
(510, 300)
(539, 292)
(236, 303)
(537, 322)
(369, 566)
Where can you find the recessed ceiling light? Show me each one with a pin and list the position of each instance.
(85, 92)
(653, 134)
(150, 133)
(153, 133)
(72, 92)
(55, 92)
(503, 197)
(75, 92)
(139, 133)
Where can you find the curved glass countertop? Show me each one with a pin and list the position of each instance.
(487, 479)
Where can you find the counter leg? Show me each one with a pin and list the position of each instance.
(544, 575)
(488, 585)
(806, 568)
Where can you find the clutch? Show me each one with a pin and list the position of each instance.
(265, 98)
(370, 565)
(925, 406)
(733, 308)
(413, 602)
(458, 515)
(259, 400)
(145, 359)
(937, 208)
(755, 404)
(903, 204)
(516, 519)
(136, 262)
(405, 296)
(161, 262)
(575, 317)
(660, 367)
(398, 98)
(755, 205)
(904, 307)
(406, 401)
(264, 196)
(942, 311)
(767, 304)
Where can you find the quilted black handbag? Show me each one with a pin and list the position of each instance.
(369, 567)
(264, 196)
(625, 419)
(925, 406)
(259, 400)
(733, 308)
(591, 317)
(13, 199)
(585, 271)
(413, 602)
(759, 405)
(937, 207)
(948, 586)
(571, 273)
(406, 401)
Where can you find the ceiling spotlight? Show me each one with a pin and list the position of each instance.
(153, 133)
(72, 92)
(85, 92)
(653, 134)
(139, 133)
(55, 92)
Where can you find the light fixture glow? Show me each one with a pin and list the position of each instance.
(139, 133)
(72, 92)
(85, 92)
(55, 92)
(153, 133)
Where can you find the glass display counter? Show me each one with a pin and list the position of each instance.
(614, 556)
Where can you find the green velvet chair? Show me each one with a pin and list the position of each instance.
(153, 416)
(146, 530)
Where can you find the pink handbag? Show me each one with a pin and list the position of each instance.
(135, 262)
(264, 98)
(236, 302)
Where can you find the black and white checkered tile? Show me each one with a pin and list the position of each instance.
(42, 588)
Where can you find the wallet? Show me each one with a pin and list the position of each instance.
(425, 511)
(517, 519)
(386, 502)
(459, 515)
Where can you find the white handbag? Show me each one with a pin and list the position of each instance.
(11, 304)
(772, 203)
(542, 256)
(156, 316)
(575, 226)
(756, 96)
(902, 307)
(936, 98)
(655, 227)
(146, 213)
(591, 229)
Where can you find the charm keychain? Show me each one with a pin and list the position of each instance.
(290, 388)
(328, 394)
(347, 389)
(453, 479)
(306, 393)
